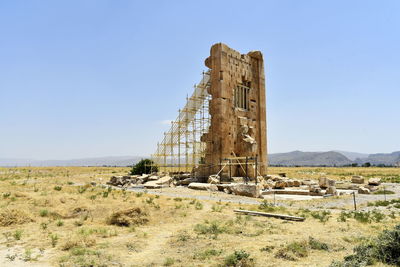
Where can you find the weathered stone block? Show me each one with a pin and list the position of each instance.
(331, 190)
(374, 181)
(325, 182)
(249, 190)
(357, 179)
(203, 186)
(363, 190)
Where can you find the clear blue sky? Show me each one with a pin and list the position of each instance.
(98, 78)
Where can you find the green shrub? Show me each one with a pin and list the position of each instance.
(54, 239)
(322, 216)
(57, 188)
(18, 234)
(169, 262)
(385, 248)
(377, 216)
(292, 251)
(198, 205)
(82, 189)
(239, 258)
(144, 166)
(343, 216)
(363, 217)
(216, 208)
(266, 206)
(213, 228)
(44, 213)
(267, 248)
(317, 245)
(206, 254)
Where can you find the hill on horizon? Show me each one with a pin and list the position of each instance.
(120, 161)
(299, 158)
(294, 158)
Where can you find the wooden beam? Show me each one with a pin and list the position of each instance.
(279, 216)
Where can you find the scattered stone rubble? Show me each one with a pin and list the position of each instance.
(269, 184)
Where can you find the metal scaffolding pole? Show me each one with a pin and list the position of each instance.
(192, 122)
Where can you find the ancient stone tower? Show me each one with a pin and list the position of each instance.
(222, 128)
(238, 111)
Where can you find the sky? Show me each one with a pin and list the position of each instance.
(100, 78)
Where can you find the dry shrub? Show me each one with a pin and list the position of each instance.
(19, 194)
(81, 241)
(14, 216)
(77, 212)
(133, 216)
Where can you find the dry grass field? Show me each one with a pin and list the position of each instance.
(55, 217)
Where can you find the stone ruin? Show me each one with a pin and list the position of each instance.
(222, 128)
(266, 185)
(238, 113)
(218, 141)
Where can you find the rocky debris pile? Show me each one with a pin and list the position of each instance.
(123, 181)
(358, 183)
(329, 185)
(184, 179)
(147, 180)
(279, 182)
(153, 180)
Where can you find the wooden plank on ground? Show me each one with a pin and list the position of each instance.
(279, 216)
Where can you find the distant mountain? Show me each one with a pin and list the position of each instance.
(100, 161)
(352, 155)
(294, 158)
(299, 158)
(333, 158)
(381, 158)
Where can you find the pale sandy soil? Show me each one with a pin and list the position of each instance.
(171, 236)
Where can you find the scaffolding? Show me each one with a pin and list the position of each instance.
(181, 149)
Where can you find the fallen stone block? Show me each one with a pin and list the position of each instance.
(374, 181)
(309, 182)
(314, 189)
(325, 182)
(153, 178)
(225, 188)
(248, 190)
(187, 181)
(152, 185)
(363, 190)
(203, 186)
(279, 185)
(355, 179)
(289, 183)
(166, 180)
(371, 188)
(296, 183)
(142, 179)
(331, 190)
(274, 177)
